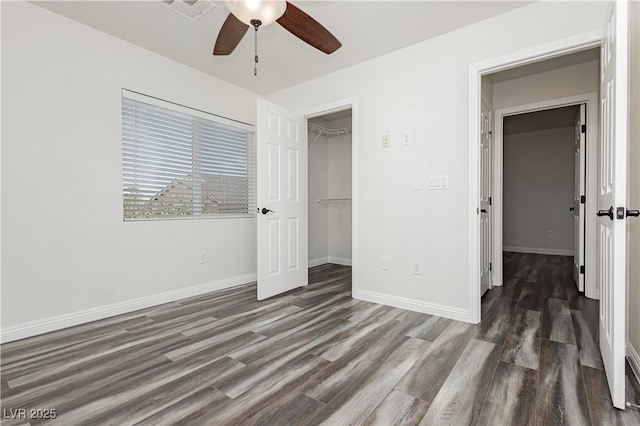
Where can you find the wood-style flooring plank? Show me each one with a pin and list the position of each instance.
(587, 338)
(462, 395)
(522, 351)
(351, 372)
(561, 393)
(435, 363)
(557, 324)
(273, 392)
(511, 398)
(398, 409)
(357, 404)
(180, 411)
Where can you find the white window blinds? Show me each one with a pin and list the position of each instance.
(183, 163)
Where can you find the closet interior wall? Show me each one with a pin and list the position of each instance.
(330, 193)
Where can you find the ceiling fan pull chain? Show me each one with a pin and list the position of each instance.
(256, 23)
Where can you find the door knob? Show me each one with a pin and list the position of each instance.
(634, 213)
(606, 213)
(266, 210)
(483, 211)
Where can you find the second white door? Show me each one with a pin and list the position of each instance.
(281, 148)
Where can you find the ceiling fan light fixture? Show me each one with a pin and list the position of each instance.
(265, 11)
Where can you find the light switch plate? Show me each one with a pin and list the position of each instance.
(438, 182)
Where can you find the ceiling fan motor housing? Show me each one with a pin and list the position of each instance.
(264, 11)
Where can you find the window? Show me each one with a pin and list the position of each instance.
(183, 163)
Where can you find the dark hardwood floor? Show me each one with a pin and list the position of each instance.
(316, 356)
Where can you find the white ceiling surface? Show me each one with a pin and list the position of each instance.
(541, 120)
(367, 29)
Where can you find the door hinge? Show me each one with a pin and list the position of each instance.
(490, 266)
(582, 269)
(583, 199)
(490, 200)
(490, 134)
(583, 129)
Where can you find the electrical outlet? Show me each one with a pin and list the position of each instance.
(406, 138)
(549, 234)
(417, 267)
(386, 140)
(203, 257)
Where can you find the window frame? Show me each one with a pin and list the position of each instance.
(196, 113)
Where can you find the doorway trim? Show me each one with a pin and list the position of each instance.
(591, 164)
(328, 108)
(519, 58)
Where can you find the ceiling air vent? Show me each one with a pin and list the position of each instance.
(192, 9)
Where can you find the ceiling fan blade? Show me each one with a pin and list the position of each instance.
(230, 35)
(308, 29)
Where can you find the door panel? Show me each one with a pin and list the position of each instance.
(282, 189)
(485, 199)
(579, 190)
(612, 182)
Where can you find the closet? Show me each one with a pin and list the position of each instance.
(330, 213)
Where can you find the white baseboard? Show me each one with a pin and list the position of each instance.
(414, 305)
(330, 259)
(554, 252)
(339, 261)
(634, 360)
(34, 328)
(317, 262)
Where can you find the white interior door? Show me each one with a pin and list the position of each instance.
(485, 200)
(612, 193)
(281, 148)
(579, 192)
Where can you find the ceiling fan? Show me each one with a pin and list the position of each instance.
(257, 13)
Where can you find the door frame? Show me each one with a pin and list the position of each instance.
(328, 108)
(538, 53)
(591, 164)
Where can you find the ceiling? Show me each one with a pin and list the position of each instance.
(367, 29)
(548, 65)
(548, 119)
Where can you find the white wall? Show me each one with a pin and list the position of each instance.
(633, 224)
(65, 247)
(424, 89)
(538, 191)
(554, 84)
(318, 189)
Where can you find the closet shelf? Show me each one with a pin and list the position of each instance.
(333, 200)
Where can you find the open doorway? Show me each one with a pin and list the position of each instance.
(543, 185)
(543, 192)
(330, 189)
